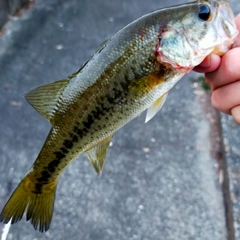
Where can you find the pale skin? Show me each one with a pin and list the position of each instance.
(223, 76)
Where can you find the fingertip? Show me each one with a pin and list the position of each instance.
(215, 100)
(235, 111)
(215, 61)
(209, 64)
(206, 63)
(219, 101)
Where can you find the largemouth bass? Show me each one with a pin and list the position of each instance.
(131, 72)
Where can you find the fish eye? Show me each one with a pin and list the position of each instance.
(204, 12)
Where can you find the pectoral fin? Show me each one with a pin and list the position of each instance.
(156, 106)
(97, 154)
(44, 98)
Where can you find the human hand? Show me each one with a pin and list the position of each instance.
(223, 76)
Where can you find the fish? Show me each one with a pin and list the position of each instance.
(129, 73)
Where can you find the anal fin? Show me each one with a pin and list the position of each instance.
(97, 154)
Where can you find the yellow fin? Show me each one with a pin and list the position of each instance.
(156, 106)
(96, 155)
(36, 198)
(44, 98)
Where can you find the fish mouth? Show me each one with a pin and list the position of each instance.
(179, 49)
(226, 28)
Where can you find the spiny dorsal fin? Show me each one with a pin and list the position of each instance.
(79, 70)
(156, 106)
(96, 155)
(101, 47)
(44, 98)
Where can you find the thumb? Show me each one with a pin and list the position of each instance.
(209, 64)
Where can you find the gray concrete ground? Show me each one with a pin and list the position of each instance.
(161, 179)
(231, 133)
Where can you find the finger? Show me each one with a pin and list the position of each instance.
(228, 71)
(209, 64)
(227, 97)
(212, 61)
(236, 113)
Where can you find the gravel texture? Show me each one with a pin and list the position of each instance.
(160, 179)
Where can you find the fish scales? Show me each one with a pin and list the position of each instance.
(129, 73)
(95, 124)
(97, 108)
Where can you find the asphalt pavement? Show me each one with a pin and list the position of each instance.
(164, 180)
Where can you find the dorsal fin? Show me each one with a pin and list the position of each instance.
(44, 98)
(156, 106)
(79, 70)
(100, 48)
(102, 45)
(97, 154)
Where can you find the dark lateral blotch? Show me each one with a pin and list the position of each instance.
(68, 144)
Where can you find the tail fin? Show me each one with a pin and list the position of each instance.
(36, 198)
